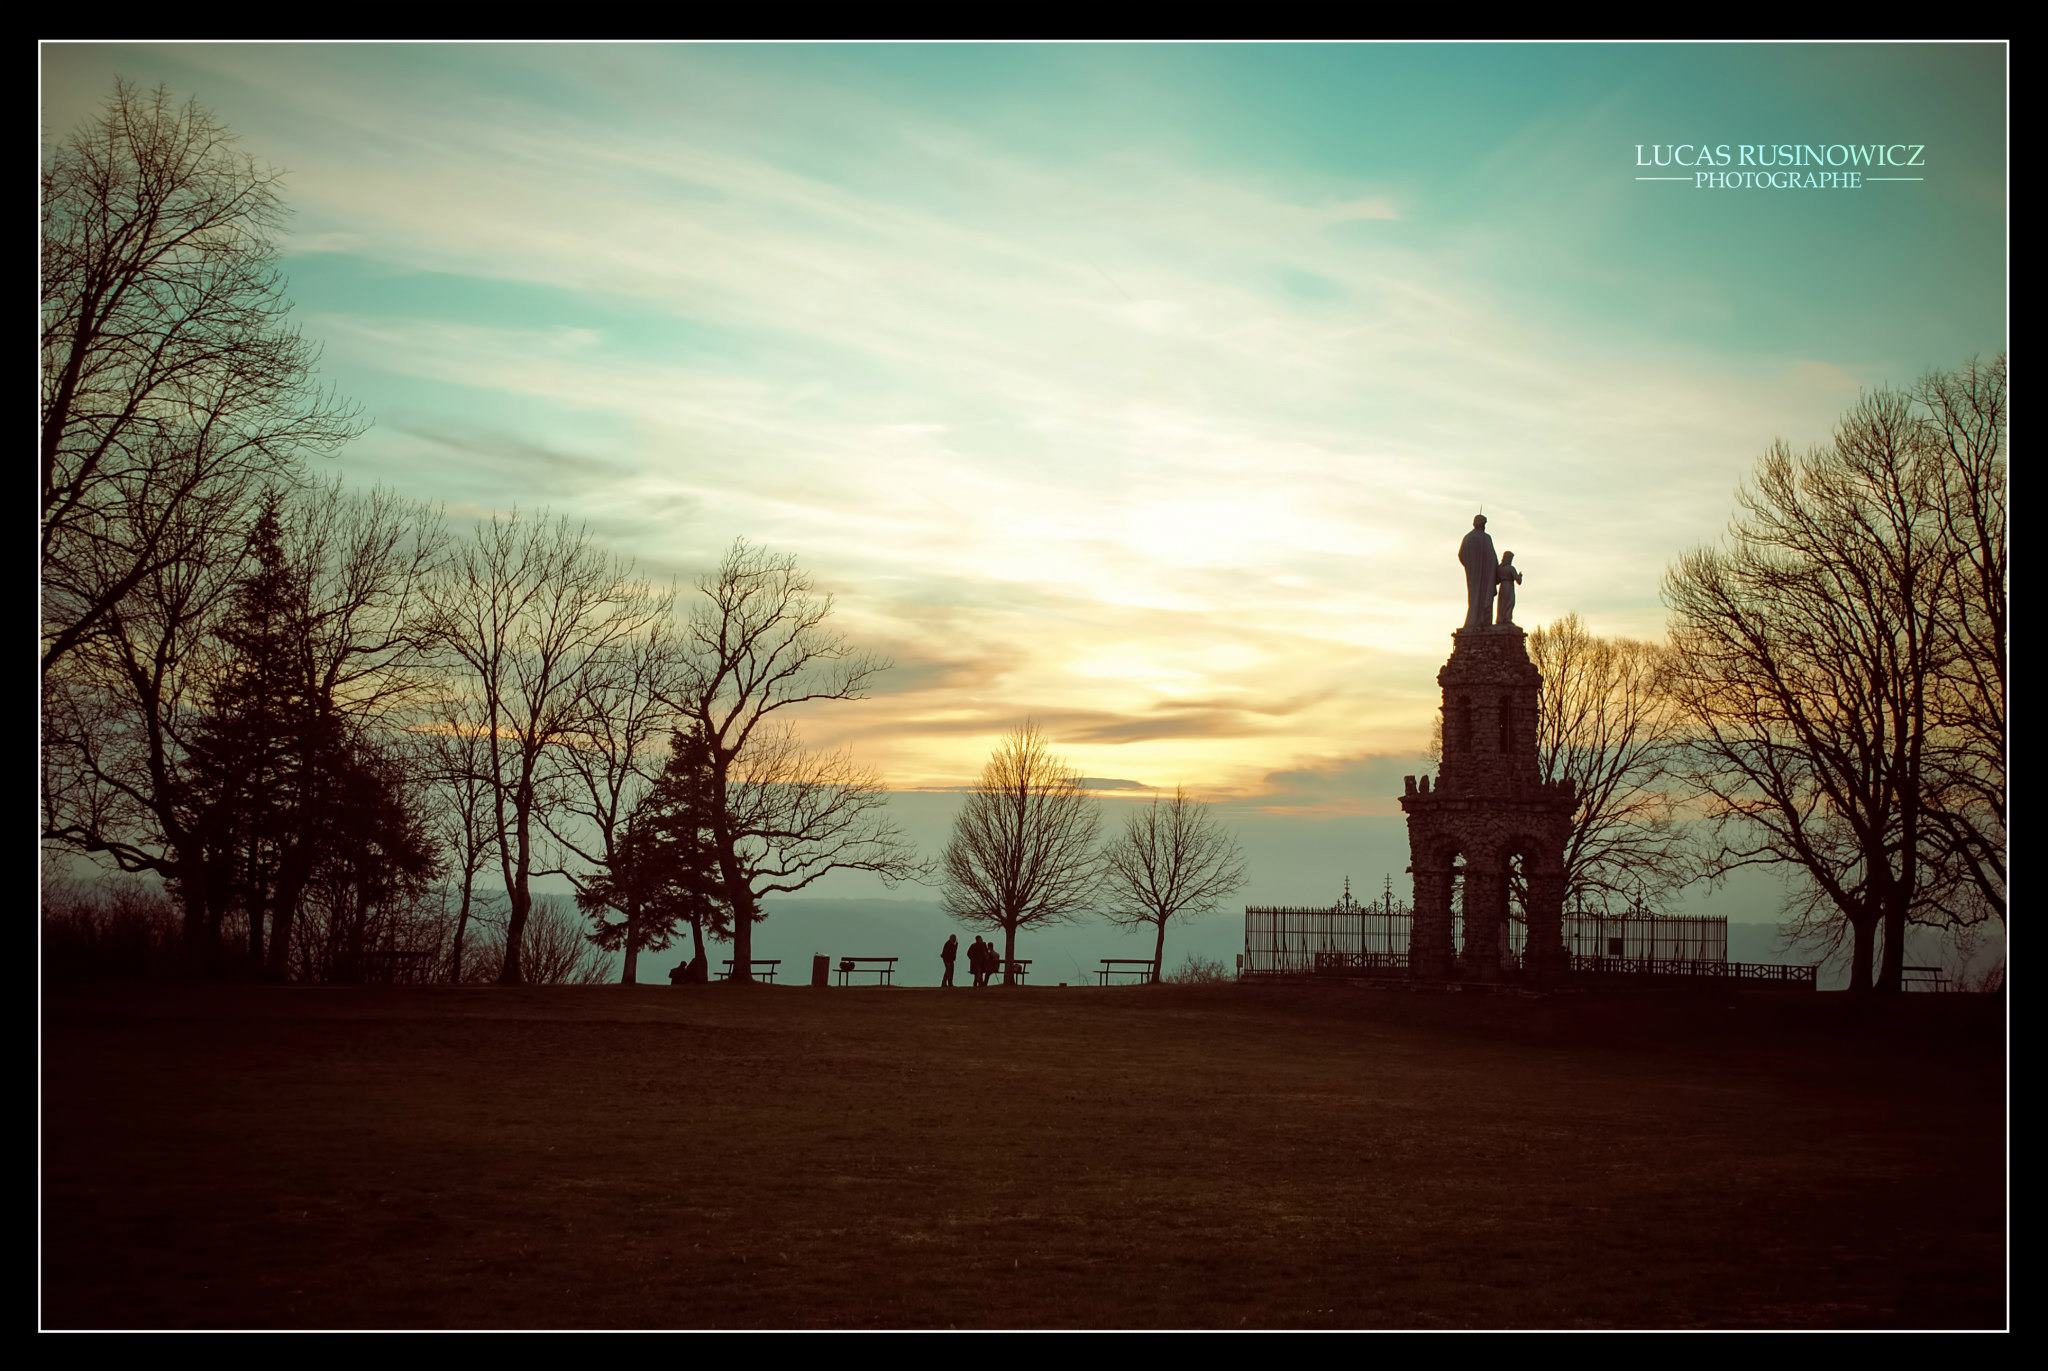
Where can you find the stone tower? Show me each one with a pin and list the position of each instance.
(1489, 807)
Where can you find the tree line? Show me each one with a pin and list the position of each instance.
(313, 714)
(300, 707)
(346, 739)
(1829, 702)
(1023, 853)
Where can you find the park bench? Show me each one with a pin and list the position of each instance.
(1923, 978)
(884, 968)
(1021, 967)
(1143, 967)
(755, 966)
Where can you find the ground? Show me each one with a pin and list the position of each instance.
(1053, 1157)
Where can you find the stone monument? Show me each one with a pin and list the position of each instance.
(1490, 806)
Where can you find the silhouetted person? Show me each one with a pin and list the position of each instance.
(947, 954)
(1481, 573)
(679, 974)
(977, 961)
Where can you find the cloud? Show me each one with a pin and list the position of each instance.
(511, 455)
(1078, 423)
(1367, 784)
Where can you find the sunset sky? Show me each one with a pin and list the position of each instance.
(1143, 389)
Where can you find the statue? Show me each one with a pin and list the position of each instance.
(1476, 552)
(1504, 609)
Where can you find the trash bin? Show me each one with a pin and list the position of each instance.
(821, 970)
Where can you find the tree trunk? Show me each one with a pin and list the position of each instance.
(256, 937)
(631, 975)
(461, 927)
(1865, 932)
(738, 897)
(743, 939)
(1158, 951)
(293, 876)
(1009, 953)
(358, 933)
(193, 890)
(521, 900)
(1891, 968)
(209, 941)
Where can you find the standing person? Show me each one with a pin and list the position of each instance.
(975, 954)
(946, 955)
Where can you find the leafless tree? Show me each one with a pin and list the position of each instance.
(458, 765)
(757, 645)
(115, 723)
(610, 759)
(1606, 722)
(527, 613)
(1809, 654)
(1172, 860)
(115, 930)
(122, 708)
(172, 384)
(1966, 424)
(552, 947)
(1022, 852)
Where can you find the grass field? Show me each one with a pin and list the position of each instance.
(1143, 1157)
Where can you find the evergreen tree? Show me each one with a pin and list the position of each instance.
(261, 743)
(377, 852)
(667, 872)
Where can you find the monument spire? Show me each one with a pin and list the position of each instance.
(1490, 807)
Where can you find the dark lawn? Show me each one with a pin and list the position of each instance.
(1142, 1157)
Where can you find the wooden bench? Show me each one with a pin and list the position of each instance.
(1127, 966)
(884, 968)
(1923, 978)
(754, 966)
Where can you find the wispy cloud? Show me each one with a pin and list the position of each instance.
(1078, 422)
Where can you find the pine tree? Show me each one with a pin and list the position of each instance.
(667, 872)
(256, 750)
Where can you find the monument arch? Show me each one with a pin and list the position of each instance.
(1489, 804)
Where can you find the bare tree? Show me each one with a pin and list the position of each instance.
(552, 948)
(610, 760)
(527, 613)
(1808, 657)
(1966, 424)
(1022, 853)
(116, 719)
(129, 704)
(1172, 860)
(783, 816)
(458, 765)
(172, 384)
(1606, 723)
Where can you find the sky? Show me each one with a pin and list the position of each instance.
(1145, 390)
